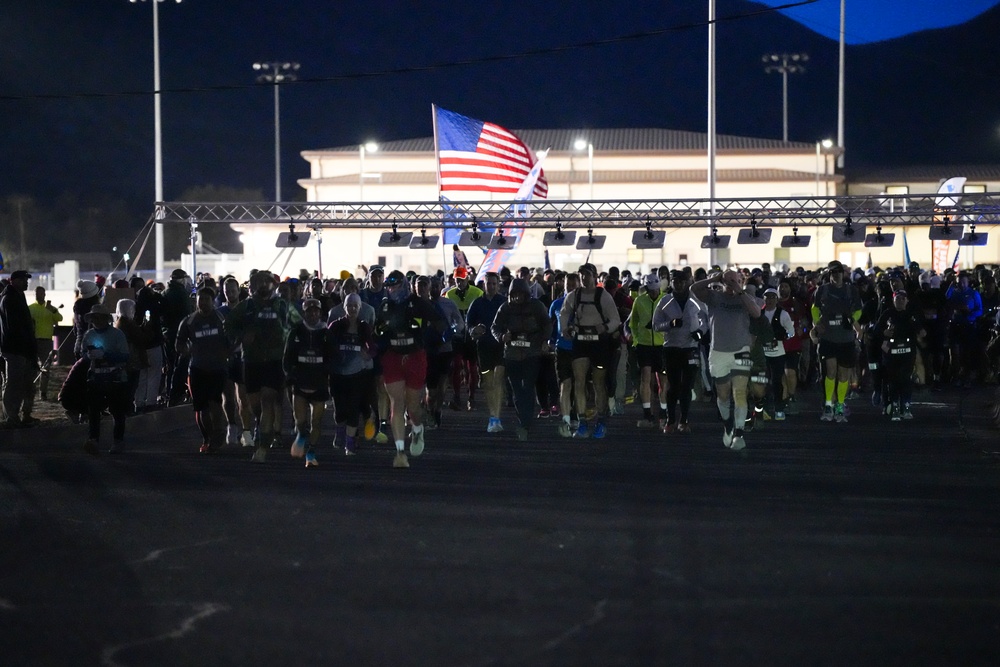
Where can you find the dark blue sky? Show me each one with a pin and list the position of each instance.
(104, 145)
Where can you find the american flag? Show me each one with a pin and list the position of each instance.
(476, 156)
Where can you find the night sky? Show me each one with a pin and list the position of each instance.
(104, 144)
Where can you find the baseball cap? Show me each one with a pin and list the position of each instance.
(17, 275)
(178, 274)
(311, 303)
(376, 267)
(651, 280)
(899, 292)
(461, 273)
(770, 291)
(397, 277)
(835, 266)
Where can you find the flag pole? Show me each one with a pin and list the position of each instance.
(437, 176)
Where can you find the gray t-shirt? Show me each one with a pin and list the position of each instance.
(729, 321)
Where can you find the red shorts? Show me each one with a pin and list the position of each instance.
(410, 368)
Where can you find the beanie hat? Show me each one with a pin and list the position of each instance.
(88, 288)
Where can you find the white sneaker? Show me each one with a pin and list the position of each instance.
(738, 443)
(247, 439)
(298, 447)
(259, 455)
(417, 443)
(727, 437)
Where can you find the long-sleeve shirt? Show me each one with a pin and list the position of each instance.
(209, 346)
(110, 366)
(528, 325)
(640, 321)
(483, 311)
(352, 352)
(262, 326)
(967, 303)
(17, 331)
(678, 320)
(46, 318)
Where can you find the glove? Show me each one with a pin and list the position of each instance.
(676, 323)
(697, 335)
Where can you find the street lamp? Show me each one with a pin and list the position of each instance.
(367, 147)
(579, 145)
(785, 64)
(825, 145)
(276, 73)
(157, 132)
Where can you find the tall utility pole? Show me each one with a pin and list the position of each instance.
(157, 130)
(785, 64)
(277, 73)
(840, 90)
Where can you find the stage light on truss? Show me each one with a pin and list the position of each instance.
(649, 239)
(754, 236)
(849, 232)
(974, 238)
(879, 240)
(714, 240)
(500, 241)
(474, 238)
(590, 241)
(945, 232)
(424, 241)
(292, 240)
(394, 239)
(795, 241)
(558, 238)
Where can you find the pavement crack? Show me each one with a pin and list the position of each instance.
(596, 617)
(156, 553)
(202, 611)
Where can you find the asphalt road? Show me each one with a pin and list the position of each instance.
(825, 544)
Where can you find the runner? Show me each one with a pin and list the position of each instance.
(784, 330)
(563, 345)
(648, 345)
(399, 320)
(202, 339)
(899, 331)
(464, 358)
(677, 315)
(835, 311)
(352, 377)
(478, 322)
(730, 311)
(306, 365)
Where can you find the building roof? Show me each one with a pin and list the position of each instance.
(631, 176)
(924, 173)
(613, 139)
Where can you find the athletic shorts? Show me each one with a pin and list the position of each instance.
(259, 374)
(792, 360)
(723, 364)
(490, 353)
(206, 387)
(410, 368)
(438, 367)
(650, 355)
(564, 364)
(600, 352)
(313, 395)
(846, 354)
(234, 370)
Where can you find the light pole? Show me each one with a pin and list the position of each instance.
(579, 145)
(785, 64)
(821, 147)
(157, 132)
(367, 147)
(276, 73)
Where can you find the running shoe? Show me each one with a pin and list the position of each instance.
(522, 433)
(494, 425)
(259, 455)
(727, 437)
(646, 422)
(233, 435)
(669, 428)
(827, 413)
(400, 461)
(91, 447)
(876, 398)
(298, 447)
(350, 447)
(738, 443)
(600, 430)
(311, 461)
(382, 436)
(779, 416)
(555, 411)
(582, 431)
(205, 448)
(565, 430)
(683, 427)
(276, 442)
(417, 443)
(839, 415)
(906, 411)
(896, 413)
(369, 428)
(544, 413)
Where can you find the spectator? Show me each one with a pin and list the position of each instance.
(17, 346)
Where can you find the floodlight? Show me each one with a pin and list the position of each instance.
(795, 241)
(424, 242)
(648, 239)
(879, 240)
(754, 236)
(473, 238)
(558, 238)
(945, 232)
(849, 232)
(591, 242)
(394, 239)
(713, 240)
(974, 238)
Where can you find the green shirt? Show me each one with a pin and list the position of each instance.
(261, 327)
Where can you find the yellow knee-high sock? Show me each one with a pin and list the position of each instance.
(828, 385)
(842, 391)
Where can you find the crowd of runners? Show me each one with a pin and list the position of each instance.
(390, 354)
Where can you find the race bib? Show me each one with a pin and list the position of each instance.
(202, 333)
(267, 315)
(901, 350)
(309, 359)
(872, 366)
(520, 343)
(401, 342)
(759, 378)
(836, 321)
(745, 362)
(350, 348)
